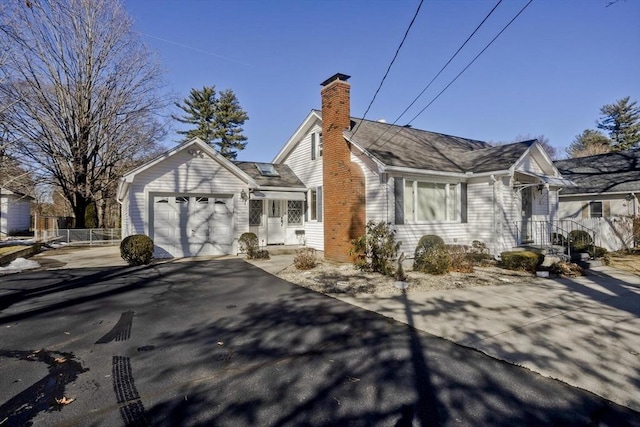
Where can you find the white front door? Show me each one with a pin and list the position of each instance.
(275, 222)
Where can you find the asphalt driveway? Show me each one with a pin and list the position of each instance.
(221, 342)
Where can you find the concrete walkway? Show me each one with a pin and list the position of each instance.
(583, 331)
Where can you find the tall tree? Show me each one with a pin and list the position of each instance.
(622, 122)
(218, 119)
(589, 143)
(82, 93)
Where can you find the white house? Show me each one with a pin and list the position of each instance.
(605, 196)
(15, 212)
(335, 174)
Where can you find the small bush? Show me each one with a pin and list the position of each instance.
(305, 259)
(376, 250)
(580, 238)
(137, 249)
(520, 260)
(248, 244)
(261, 254)
(460, 260)
(430, 240)
(432, 260)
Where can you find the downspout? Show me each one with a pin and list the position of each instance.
(495, 218)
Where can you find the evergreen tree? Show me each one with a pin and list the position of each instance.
(218, 119)
(589, 143)
(622, 122)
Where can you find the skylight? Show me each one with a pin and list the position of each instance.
(267, 169)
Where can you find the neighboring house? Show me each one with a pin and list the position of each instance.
(15, 212)
(605, 195)
(334, 175)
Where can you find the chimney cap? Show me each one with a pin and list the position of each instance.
(337, 76)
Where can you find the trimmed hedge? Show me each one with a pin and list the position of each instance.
(520, 260)
(137, 249)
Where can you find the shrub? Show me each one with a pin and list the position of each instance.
(459, 256)
(137, 249)
(305, 259)
(248, 244)
(478, 253)
(261, 254)
(520, 260)
(433, 260)
(376, 250)
(430, 240)
(580, 239)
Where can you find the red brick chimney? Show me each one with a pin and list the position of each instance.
(344, 185)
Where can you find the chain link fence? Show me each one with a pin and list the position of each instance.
(89, 236)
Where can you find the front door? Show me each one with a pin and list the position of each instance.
(527, 211)
(275, 222)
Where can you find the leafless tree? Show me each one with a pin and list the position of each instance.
(82, 94)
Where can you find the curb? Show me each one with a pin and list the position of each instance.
(26, 252)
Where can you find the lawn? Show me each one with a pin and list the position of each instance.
(628, 261)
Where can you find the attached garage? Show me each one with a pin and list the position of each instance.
(191, 201)
(192, 225)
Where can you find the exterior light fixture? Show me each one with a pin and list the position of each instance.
(244, 196)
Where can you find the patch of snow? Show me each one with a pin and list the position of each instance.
(16, 242)
(18, 265)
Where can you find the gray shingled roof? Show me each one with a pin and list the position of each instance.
(604, 173)
(413, 148)
(286, 176)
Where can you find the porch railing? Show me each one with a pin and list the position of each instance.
(557, 233)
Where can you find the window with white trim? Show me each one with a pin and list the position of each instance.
(316, 145)
(431, 201)
(315, 204)
(294, 212)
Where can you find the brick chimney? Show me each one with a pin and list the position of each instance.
(343, 181)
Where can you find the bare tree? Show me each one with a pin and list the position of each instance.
(82, 94)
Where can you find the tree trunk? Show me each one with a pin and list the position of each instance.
(80, 209)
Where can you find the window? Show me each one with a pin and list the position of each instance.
(595, 210)
(163, 200)
(255, 212)
(315, 204)
(202, 200)
(430, 201)
(316, 145)
(294, 212)
(182, 200)
(267, 169)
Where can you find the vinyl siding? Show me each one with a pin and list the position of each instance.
(182, 173)
(571, 206)
(125, 223)
(377, 195)
(310, 173)
(480, 212)
(15, 214)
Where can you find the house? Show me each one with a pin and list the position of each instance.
(335, 174)
(605, 195)
(15, 212)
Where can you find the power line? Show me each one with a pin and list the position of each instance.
(439, 72)
(463, 70)
(406, 33)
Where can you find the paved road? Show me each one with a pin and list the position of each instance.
(224, 343)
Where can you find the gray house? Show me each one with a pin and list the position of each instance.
(15, 212)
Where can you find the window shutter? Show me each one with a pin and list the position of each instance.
(606, 209)
(585, 210)
(398, 192)
(319, 204)
(306, 207)
(313, 146)
(463, 202)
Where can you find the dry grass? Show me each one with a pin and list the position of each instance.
(626, 261)
(331, 278)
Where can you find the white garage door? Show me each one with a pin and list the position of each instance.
(186, 225)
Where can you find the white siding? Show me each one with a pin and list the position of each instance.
(125, 224)
(512, 212)
(310, 173)
(571, 206)
(182, 173)
(15, 214)
(484, 219)
(377, 193)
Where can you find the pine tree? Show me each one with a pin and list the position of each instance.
(589, 143)
(218, 120)
(622, 122)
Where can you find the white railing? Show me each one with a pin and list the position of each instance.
(88, 236)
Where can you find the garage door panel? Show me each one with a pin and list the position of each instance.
(186, 225)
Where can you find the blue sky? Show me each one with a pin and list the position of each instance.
(548, 73)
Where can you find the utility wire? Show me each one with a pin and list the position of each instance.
(406, 33)
(438, 74)
(461, 72)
